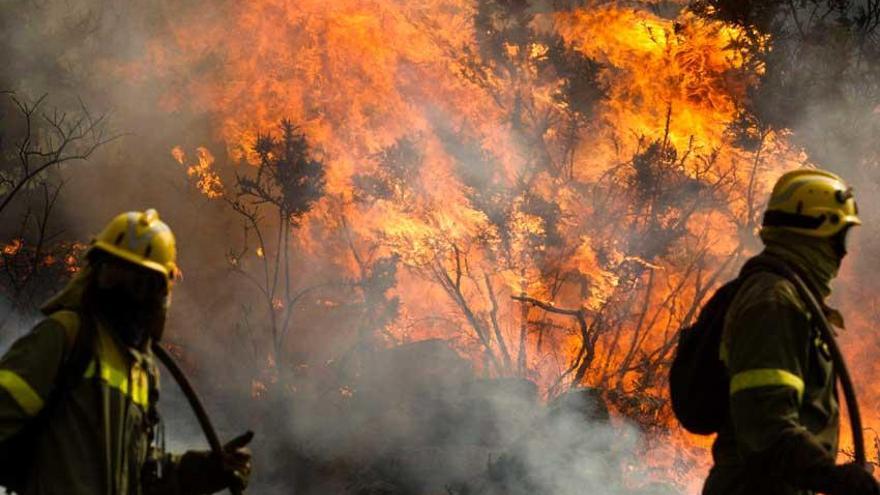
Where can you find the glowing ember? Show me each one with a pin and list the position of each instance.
(13, 248)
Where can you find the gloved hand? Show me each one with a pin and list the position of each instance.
(202, 472)
(850, 479)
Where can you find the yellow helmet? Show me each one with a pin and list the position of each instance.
(143, 239)
(811, 202)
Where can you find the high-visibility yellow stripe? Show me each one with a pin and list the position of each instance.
(766, 378)
(137, 388)
(119, 372)
(21, 391)
(140, 388)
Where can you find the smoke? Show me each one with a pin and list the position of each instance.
(14, 324)
(336, 413)
(419, 421)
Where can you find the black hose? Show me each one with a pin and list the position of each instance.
(194, 402)
(849, 391)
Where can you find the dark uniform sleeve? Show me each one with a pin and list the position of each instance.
(192, 473)
(27, 373)
(168, 483)
(767, 354)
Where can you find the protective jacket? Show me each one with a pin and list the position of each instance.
(98, 439)
(784, 422)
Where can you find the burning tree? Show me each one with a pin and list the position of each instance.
(289, 182)
(271, 198)
(597, 217)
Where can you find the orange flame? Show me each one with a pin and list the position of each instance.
(360, 77)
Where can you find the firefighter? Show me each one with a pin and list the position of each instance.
(781, 437)
(82, 386)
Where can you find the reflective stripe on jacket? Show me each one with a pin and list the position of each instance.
(97, 440)
(783, 409)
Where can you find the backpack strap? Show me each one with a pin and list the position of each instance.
(81, 332)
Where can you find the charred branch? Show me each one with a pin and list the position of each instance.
(47, 139)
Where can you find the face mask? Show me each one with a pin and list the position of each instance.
(838, 243)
